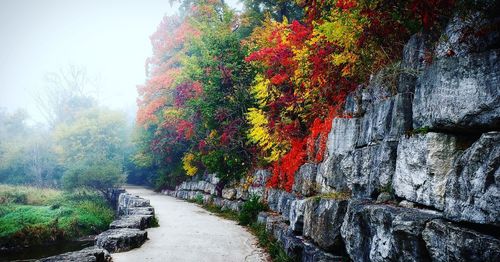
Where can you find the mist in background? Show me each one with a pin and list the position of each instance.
(109, 38)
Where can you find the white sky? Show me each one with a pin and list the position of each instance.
(110, 38)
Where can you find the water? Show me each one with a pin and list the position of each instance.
(37, 252)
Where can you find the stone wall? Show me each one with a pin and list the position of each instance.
(412, 176)
(127, 232)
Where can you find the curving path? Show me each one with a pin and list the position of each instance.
(189, 233)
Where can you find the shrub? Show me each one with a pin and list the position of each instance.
(250, 210)
(199, 199)
(268, 242)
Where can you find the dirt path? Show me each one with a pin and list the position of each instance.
(189, 233)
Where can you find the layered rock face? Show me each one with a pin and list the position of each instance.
(413, 175)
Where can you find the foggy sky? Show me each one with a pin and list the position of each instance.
(110, 38)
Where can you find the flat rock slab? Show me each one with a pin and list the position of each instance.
(132, 221)
(91, 254)
(122, 239)
(141, 211)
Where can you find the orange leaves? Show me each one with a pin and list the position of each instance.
(146, 112)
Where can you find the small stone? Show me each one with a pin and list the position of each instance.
(384, 197)
(407, 204)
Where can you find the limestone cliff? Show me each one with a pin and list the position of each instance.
(419, 165)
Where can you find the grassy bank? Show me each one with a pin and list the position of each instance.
(32, 216)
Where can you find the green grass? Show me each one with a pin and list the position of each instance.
(31, 216)
(270, 244)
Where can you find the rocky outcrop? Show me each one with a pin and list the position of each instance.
(305, 180)
(422, 167)
(459, 93)
(122, 239)
(369, 170)
(448, 242)
(410, 174)
(374, 232)
(322, 221)
(297, 209)
(343, 136)
(473, 187)
(91, 254)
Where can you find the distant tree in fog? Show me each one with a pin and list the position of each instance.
(66, 92)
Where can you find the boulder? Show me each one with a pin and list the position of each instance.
(297, 215)
(365, 171)
(422, 167)
(260, 178)
(312, 253)
(469, 32)
(273, 197)
(352, 104)
(369, 170)
(114, 196)
(126, 201)
(401, 118)
(284, 203)
(330, 175)
(374, 232)
(459, 93)
(343, 136)
(262, 217)
(473, 188)
(90, 254)
(122, 239)
(292, 245)
(305, 180)
(274, 221)
(229, 193)
(212, 179)
(413, 61)
(322, 221)
(447, 242)
(375, 124)
(132, 221)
